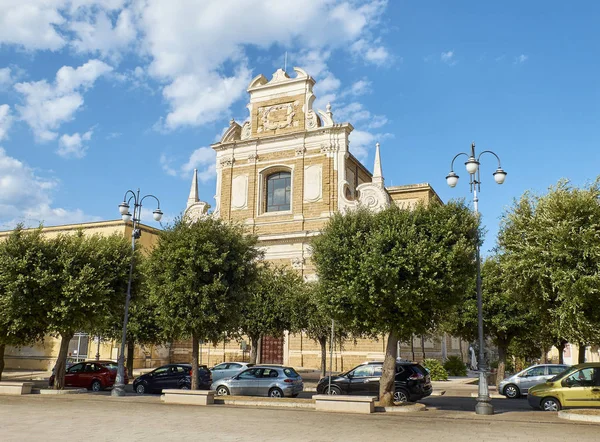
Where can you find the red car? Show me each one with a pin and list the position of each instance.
(93, 375)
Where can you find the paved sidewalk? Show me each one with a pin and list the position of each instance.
(135, 418)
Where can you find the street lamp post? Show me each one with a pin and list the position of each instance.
(119, 387)
(483, 405)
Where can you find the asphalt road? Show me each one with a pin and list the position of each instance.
(133, 418)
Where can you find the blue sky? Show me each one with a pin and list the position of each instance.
(97, 97)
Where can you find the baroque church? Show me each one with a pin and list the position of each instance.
(283, 173)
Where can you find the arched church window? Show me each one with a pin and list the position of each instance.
(279, 189)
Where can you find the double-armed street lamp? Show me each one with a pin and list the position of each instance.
(484, 405)
(119, 388)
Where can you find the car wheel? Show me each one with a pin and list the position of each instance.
(275, 392)
(140, 389)
(96, 385)
(550, 404)
(334, 390)
(222, 391)
(401, 396)
(511, 391)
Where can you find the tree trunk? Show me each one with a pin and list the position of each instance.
(2, 348)
(388, 376)
(561, 351)
(460, 350)
(130, 350)
(501, 365)
(323, 344)
(195, 345)
(412, 347)
(581, 355)
(253, 349)
(61, 363)
(423, 347)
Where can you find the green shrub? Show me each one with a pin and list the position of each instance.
(455, 366)
(436, 369)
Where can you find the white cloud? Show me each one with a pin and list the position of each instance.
(5, 120)
(361, 142)
(47, 106)
(32, 24)
(448, 58)
(203, 159)
(189, 46)
(371, 51)
(72, 146)
(198, 99)
(360, 87)
(99, 33)
(26, 197)
(521, 59)
(5, 77)
(166, 164)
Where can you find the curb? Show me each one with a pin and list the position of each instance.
(306, 403)
(69, 391)
(408, 408)
(492, 395)
(438, 393)
(577, 415)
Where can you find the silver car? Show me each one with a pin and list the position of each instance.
(228, 369)
(518, 384)
(262, 380)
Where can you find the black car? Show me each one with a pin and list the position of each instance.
(412, 381)
(171, 376)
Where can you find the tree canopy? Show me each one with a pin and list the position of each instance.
(24, 275)
(267, 311)
(551, 256)
(396, 272)
(89, 281)
(198, 276)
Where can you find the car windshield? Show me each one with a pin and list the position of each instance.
(563, 373)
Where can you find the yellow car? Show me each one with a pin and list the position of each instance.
(577, 386)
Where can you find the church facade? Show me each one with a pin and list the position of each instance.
(283, 173)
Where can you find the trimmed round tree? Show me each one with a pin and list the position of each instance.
(24, 275)
(267, 309)
(395, 272)
(199, 275)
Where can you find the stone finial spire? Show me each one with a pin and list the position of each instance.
(193, 198)
(377, 173)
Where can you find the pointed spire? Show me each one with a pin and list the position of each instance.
(193, 198)
(377, 173)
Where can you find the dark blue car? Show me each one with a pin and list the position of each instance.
(171, 376)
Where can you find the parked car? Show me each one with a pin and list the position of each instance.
(263, 380)
(171, 376)
(577, 386)
(228, 369)
(93, 375)
(412, 381)
(516, 385)
(69, 363)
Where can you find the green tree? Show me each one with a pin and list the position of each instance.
(267, 310)
(24, 274)
(310, 315)
(199, 275)
(551, 256)
(143, 326)
(395, 272)
(505, 316)
(87, 291)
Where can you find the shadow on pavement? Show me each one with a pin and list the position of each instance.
(454, 403)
